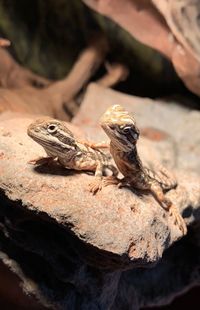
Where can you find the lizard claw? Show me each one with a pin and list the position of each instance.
(96, 185)
(178, 219)
(32, 162)
(113, 180)
(99, 183)
(120, 185)
(110, 180)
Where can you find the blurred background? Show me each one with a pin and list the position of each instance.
(47, 38)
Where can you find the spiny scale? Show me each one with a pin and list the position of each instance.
(116, 114)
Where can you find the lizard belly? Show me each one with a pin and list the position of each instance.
(81, 163)
(134, 175)
(122, 163)
(123, 168)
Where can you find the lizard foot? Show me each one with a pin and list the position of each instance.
(113, 180)
(178, 219)
(96, 185)
(110, 180)
(41, 161)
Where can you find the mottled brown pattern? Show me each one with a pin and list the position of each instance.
(121, 128)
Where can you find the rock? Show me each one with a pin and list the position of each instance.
(72, 249)
(178, 32)
(109, 221)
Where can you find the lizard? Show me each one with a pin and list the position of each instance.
(123, 132)
(60, 144)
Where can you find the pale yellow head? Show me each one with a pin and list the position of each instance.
(121, 127)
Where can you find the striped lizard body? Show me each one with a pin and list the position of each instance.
(60, 144)
(122, 130)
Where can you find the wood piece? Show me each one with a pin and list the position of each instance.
(52, 99)
(115, 74)
(4, 42)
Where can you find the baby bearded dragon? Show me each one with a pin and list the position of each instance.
(121, 128)
(59, 143)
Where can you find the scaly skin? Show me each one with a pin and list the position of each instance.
(60, 144)
(121, 128)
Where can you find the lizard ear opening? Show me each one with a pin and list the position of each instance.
(52, 128)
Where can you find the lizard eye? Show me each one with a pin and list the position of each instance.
(130, 132)
(126, 130)
(52, 128)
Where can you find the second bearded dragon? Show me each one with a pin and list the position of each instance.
(121, 128)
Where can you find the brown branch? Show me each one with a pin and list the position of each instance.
(115, 74)
(161, 25)
(51, 100)
(4, 42)
(87, 63)
(12, 75)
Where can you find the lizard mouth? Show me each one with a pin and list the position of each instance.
(36, 138)
(52, 144)
(37, 135)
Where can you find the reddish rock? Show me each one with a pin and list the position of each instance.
(174, 30)
(67, 245)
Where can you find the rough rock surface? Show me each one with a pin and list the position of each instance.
(75, 250)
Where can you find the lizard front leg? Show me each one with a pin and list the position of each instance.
(97, 184)
(167, 204)
(94, 145)
(100, 181)
(85, 163)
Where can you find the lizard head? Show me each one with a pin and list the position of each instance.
(53, 135)
(121, 127)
